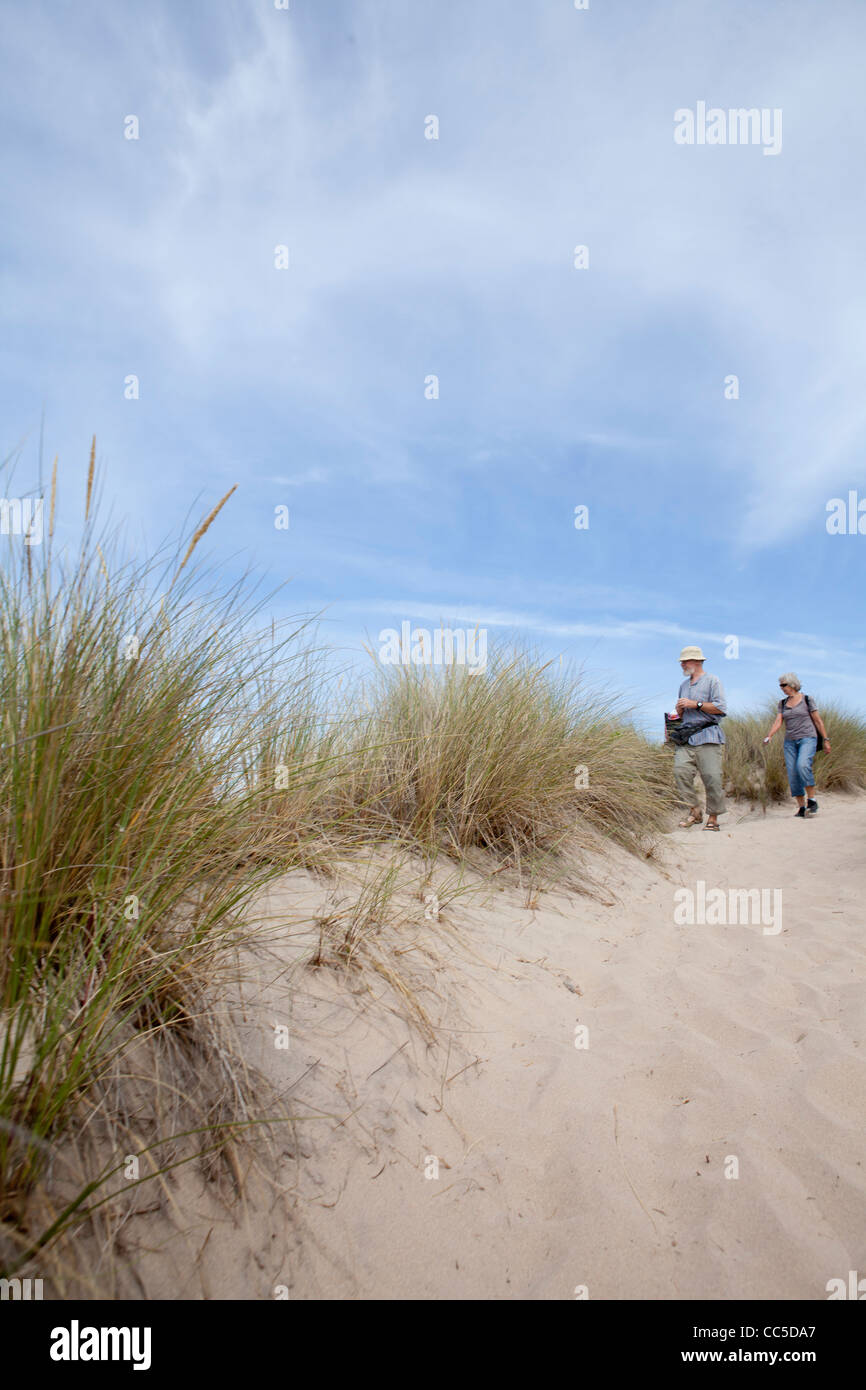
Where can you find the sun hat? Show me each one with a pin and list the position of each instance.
(691, 654)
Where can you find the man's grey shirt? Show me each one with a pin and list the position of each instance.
(709, 689)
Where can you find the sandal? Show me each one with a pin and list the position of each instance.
(712, 825)
(693, 819)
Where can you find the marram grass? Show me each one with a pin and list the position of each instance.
(125, 863)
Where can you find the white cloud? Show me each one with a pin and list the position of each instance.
(807, 648)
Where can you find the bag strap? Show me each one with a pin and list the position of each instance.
(810, 705)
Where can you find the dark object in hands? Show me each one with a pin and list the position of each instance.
(680, 733)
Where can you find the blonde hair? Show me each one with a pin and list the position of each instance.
(790, 679)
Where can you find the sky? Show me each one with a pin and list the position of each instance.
(694, 378)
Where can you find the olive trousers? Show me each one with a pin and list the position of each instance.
(706, 761)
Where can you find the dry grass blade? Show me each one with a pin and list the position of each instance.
(209, 519)
(53, 497)
(90, 474)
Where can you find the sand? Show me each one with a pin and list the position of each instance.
(704, 1139)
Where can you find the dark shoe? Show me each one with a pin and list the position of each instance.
(801, 813)
(813, 806)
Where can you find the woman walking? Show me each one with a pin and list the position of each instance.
(803, 723)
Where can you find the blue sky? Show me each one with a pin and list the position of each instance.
(409, 257)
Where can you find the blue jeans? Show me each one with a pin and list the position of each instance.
(799, 753)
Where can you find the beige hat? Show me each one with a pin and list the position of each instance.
(691, 654)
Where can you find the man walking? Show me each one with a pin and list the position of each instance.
(700, 694)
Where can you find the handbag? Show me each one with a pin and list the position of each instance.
(809, 706)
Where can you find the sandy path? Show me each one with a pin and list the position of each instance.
(560, 1166)
(605, 1166)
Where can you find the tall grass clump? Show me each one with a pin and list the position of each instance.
(128, 839)
(513, 758)
(756, 772)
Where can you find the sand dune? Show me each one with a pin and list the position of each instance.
(563, 1167)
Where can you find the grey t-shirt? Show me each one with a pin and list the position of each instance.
(798, 721)
(708, 689)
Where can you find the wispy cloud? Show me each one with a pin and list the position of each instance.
(632, 631)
